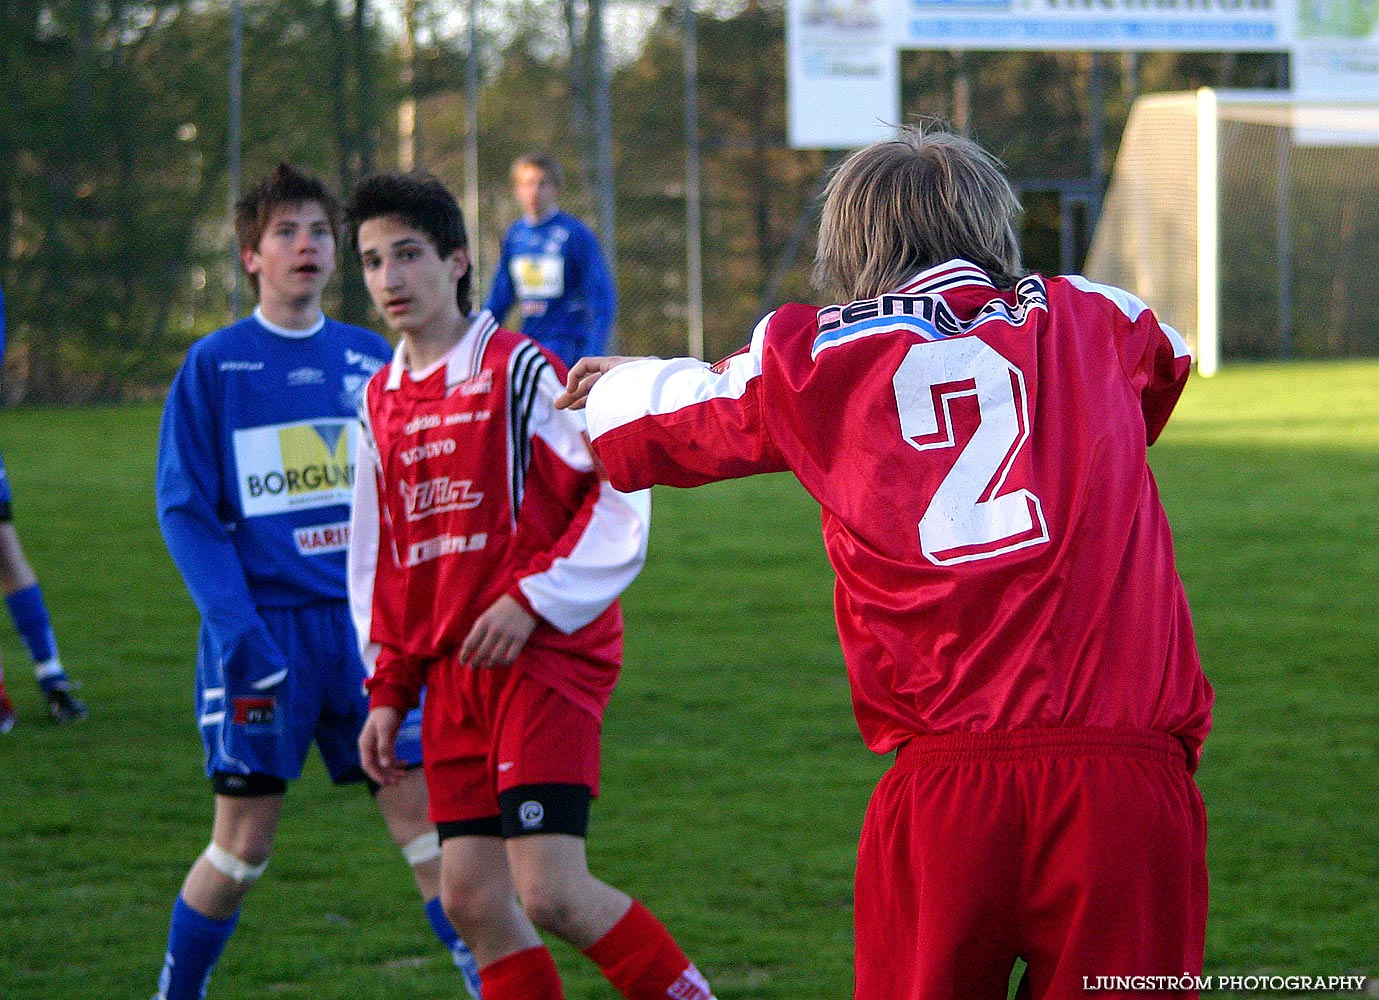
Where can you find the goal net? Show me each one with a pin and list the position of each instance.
(1248, 223)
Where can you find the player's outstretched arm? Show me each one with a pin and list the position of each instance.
(582, 377)
(376, 743)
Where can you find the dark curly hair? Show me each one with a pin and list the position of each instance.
(421, 201)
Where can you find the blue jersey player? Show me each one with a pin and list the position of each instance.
(24, 598)
(552, 268)
(255, 476)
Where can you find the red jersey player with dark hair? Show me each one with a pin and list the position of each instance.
(1012, 621)
(486, 558)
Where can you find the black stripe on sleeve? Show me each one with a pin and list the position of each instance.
(527, 367)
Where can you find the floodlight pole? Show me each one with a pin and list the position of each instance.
(236, 114)
(471, 141)
(1096, 140)
(407, 107)
(694, 290)
(603, 163)
(962, 94)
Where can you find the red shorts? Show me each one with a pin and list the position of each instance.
(1081, 851)
(485, 731)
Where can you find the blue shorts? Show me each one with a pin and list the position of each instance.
(322, 699)
(408, 746)
(6, 497)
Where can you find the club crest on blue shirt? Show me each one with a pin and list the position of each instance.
(353, 390)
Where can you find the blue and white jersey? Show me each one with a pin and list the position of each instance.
(256, 465)
(555, 272)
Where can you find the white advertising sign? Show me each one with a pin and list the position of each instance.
(844, 54)
(1336, 57)
(844, 72)
(1081, 25)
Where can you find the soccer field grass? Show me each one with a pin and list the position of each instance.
(734, 780)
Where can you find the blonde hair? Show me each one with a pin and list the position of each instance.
(910, 202)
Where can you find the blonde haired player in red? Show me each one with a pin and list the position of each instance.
(1013, 625)
(487, 556)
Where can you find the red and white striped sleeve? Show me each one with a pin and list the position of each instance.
(682, 422)
(602, 547)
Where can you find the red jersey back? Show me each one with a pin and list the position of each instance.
(1002, 557)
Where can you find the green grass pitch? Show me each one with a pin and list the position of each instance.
(734, 780)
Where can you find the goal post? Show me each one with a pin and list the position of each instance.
(1208, 334)
(1244, 220)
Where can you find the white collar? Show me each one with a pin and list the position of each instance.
(462, 361)
(283, 331)
(945, 277)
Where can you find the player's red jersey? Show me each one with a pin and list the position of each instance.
(1003, 561)
(481, 488)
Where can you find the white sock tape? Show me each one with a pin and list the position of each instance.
(425, 848)
(232, 867)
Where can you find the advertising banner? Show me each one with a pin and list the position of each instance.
(1336, 57)
(1081, 25)
(844, 84)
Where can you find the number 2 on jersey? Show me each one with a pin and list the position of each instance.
(968, 517)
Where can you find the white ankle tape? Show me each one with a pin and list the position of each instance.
(232, 867)
(425, 848)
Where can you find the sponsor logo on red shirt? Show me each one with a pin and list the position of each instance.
(436, 496)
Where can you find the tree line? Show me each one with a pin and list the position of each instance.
(115, 170)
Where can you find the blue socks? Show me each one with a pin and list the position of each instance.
(445, 931)
(194, 945)
(30, 616)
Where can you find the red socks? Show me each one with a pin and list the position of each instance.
(637, 955)
(524, 975)
(642, 960)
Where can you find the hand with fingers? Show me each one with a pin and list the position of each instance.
(498, 635)
(377, 746)
(582, 377)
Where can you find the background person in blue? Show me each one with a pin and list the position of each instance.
(24, 598)
(552, 268)
(256, 462)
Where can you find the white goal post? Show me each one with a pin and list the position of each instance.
(1246, 221)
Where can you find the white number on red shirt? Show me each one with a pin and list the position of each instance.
(968, 517)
